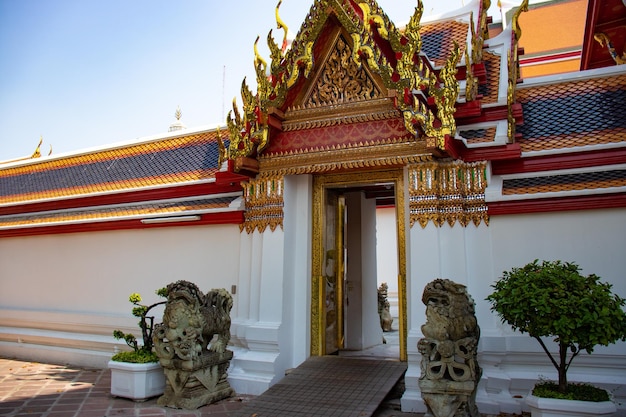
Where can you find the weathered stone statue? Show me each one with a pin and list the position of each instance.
(383, 308)
(191, 346)
(450, 371)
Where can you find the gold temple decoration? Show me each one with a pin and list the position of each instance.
(604, 40)
(281, 25)
(474, 55)
(342, 79)
(514, 71)
(222, 151)
(392, 152)
(264, 203)
(447, 192)
(407, 74)
(37, 152)
(471, 82)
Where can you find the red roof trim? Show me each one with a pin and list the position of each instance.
(549, 58)
(560, 162)
(457, 150)
(546, 205)
(161, 193)
(231, 217)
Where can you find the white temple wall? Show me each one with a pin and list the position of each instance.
(477, 256)
(275, 269)
(61, 296)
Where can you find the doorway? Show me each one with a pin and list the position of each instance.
(344, 309)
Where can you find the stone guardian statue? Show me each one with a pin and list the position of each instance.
(191, 346)
(449, 369)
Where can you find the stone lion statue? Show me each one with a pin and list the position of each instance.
(193, 322)
(450, 371)
(449, 311)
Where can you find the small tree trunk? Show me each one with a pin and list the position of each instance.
(562, 367)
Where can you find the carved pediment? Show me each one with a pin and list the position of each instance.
(341, 79)
(343, 90)
(347, 64)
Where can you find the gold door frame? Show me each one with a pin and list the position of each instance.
(320, 184)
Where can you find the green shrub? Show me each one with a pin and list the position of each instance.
(552, 299)
(139, 356)
(580, 392)
(141, 353)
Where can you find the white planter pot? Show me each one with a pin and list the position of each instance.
(552, 407)
(137, 381)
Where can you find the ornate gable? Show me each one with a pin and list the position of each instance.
(341, 91)
(341, 79)
(348, 65)
(353, 92)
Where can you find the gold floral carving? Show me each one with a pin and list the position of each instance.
(342, 79)
(264, 203)
(392, 152)
(338, 112)
(447, 192)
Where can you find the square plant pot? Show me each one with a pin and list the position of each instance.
(137, 381)
(553, 407)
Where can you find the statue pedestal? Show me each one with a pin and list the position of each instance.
(446, 398)
(190, 385)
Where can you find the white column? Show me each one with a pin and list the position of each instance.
(296, 327)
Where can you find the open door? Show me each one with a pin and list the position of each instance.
(344, 314)
(333, 274)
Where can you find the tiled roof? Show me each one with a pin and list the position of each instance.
(479, 135)
(573, 114)
(566, 182)
(169, 161)
(489, 90)
(103, 213)
(438, 38)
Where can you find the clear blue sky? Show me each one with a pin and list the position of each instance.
(85, 73)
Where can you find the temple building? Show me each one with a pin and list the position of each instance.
(368, 149)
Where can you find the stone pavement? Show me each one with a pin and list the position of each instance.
(44, 390)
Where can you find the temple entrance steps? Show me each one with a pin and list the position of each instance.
(328, 386)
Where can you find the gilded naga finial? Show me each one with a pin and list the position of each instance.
(604, 40)
(281, 25)
(37, 152)
(515, 22)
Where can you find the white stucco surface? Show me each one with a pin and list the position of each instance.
(477, 256)
(71, 290)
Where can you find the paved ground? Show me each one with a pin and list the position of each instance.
(43, 390)
(325, 386)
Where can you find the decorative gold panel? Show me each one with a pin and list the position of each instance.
(370, 39)
(264, 203)
(342, 79)
(394, 152)
(448, 192)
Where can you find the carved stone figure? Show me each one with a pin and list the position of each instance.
(450, 371)
(383, 308)
(191, 346)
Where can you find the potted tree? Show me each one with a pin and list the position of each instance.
(137, 374)
(553, 299)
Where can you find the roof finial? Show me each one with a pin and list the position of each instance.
(37, 152)
(281, 25)
(177, 125)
